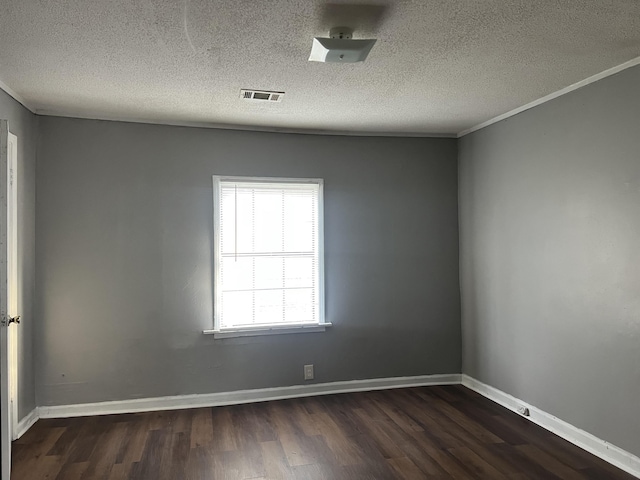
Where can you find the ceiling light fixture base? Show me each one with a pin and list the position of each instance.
(342, 33)
(340, 48)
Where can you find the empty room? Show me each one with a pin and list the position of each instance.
(338, 240)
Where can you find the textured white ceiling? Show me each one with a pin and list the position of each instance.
(439, 66)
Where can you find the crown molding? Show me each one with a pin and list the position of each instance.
(311, 131)
(249, 128)
(594, 78)
(18, 98)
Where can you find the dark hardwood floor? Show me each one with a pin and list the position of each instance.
(430, 432)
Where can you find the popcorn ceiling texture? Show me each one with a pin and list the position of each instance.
(438, 67)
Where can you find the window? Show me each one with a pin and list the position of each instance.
(268, 255)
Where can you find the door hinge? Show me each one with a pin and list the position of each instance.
(6, 321)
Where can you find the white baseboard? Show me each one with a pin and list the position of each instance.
(242, 396)
(592, 444)
(26, 423)
(598, 447)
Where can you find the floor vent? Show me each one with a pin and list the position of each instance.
(261, 95)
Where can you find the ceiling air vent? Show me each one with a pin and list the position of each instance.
(261, 95)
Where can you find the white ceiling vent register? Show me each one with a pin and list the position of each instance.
(261, 95)
(340, 48)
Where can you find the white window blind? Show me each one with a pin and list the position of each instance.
(268, 253)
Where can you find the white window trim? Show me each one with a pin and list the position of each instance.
(279, 330)
(217, 293)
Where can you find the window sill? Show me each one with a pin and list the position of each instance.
(250, 332)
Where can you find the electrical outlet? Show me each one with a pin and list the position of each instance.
(523, 411)
(308, 372)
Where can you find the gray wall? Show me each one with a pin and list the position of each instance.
(550, 257)
(124, 268)
(23, 124)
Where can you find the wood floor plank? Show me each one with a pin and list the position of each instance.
(131, 448)
(488, 421)
(202, 465)
(243, 428)
(70, 434)
(74, 471)
(40, 442)
(181, 421)
(439, 434)
(46, 467)
(449, 463)
(384, 442)
(546, 441)
(119, 471)
(202, 428)
(345, 452)
(599, 472)
(280, 419)
(397, 415)
(151, 460)
(316, 471)
(274, 460)
(174, 460)
(104, 455)
(224, 435)
(468, 424)
(342, 409)
(410, 442)
(405, 468)
(519, 461)
(376, 463)
(301, 450)
(476, 464)
(295, 454)
(550, 463)
(443, 433)
(306, 422)
(241, 464)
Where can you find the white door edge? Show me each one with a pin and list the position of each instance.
(12, 277)
(5, 415)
